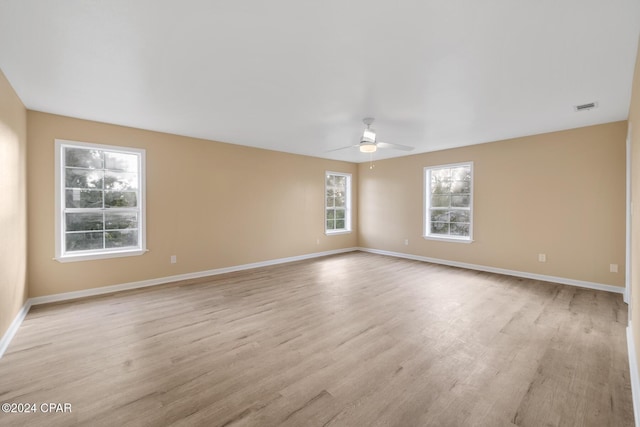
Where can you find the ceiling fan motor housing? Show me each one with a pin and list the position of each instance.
(368, 140)
(369, 136)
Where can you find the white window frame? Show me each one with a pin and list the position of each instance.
(427, 206)
(60, 252)
(347, 208)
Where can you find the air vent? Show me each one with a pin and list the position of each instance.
(584, 107)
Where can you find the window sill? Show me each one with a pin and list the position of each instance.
(333, 233)
(449, 239)
(101, 255)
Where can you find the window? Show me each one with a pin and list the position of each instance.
(449, 201)
(337, 203)
(99, 201)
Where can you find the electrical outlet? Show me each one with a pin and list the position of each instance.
(542, 257)
(318, 241)
(174, 259)
(406, 242)
(613, 268)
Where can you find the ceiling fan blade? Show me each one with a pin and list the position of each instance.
(342, 148)
(396, 146)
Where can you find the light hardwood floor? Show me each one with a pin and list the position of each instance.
(349, 340)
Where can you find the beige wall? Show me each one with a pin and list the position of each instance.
(562, 194)
(13, 209)
(634, 124)
(218, 205)
(213, 205)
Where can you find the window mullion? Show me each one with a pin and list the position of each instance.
(445, 186)
(80, 218)
(340, 189)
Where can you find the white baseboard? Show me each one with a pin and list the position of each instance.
(633, 372)
(523, 274)
(169, 279)
(13, 327)
(66, 296)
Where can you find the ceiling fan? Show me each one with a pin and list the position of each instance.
(368, 143)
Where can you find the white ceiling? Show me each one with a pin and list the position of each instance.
(299, 76)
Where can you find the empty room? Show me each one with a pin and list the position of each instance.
(319, 214)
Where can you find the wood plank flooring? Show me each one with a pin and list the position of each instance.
(349, 340)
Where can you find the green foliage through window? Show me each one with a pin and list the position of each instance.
(337, 202)
(449, 195)
(101, 205)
